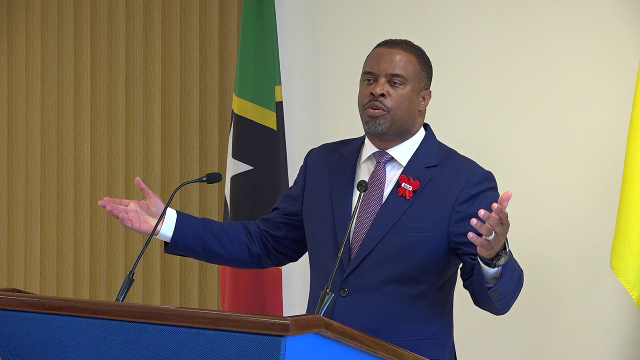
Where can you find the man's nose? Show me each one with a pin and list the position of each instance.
(379, 90)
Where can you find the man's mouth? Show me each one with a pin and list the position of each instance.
(375, 108)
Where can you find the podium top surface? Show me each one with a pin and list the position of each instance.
(15, 299)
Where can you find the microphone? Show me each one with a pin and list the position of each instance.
(210, 178)
(326, 296)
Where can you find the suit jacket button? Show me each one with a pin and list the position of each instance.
(495, 293)
(344, 292)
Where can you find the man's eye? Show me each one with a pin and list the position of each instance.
(395, 83)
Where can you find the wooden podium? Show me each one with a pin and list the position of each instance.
(41, 327)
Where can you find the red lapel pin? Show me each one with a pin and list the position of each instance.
(407, 186)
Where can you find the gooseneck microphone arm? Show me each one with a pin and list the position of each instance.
(326, 296)
(210, 178)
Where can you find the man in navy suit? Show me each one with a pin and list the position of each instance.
(440, 212)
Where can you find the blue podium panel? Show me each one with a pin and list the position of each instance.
(28, 335)
(314, 346)
(41, 327)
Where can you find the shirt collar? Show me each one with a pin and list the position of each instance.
(401, 152)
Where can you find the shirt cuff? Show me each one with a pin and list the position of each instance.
(491, 276)
(168, 225)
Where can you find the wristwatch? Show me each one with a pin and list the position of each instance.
(499, 259)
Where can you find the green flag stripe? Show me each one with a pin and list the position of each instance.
(258, 65)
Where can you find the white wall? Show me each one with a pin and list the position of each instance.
(539, 92)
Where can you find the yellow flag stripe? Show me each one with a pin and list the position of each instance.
(278, 93)
(625, 251)
(255, 112)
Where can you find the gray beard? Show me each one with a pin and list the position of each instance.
(373, 127)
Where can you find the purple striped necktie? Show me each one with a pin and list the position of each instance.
(371, 201)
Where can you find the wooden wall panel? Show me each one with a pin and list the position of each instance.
(49, 175)
(170, 137)
(134, 119)
(94, 93)
(99, 151)
(4, 141)
(33, 116)
(66, 150)
(189, 130)
(82, 149)
(116, 264)
(152, 92)
(16, 141)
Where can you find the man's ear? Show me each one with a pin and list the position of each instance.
(425, 97)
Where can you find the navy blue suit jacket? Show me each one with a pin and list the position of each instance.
(399, 287)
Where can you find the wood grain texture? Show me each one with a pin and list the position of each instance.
(92, 94)
(4, 140)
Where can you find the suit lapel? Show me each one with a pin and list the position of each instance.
(343, 172)
(394, 206)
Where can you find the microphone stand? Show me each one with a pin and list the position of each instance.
(326, 296)
(210, 178)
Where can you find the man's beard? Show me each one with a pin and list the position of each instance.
(373, 127)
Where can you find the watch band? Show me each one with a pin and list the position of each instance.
(498, 260)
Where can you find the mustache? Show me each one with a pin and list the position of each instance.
(374, 100)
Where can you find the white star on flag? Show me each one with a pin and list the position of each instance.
(233, 167)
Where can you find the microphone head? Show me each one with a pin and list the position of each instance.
(213, 177)
(362, 186)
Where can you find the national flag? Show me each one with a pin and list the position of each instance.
(256, 159)
(625, 252)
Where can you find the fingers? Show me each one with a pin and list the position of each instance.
(483, 228)
(497, 221)
(115, 207)
(493, 225)
(499, 217)
(111, 201)
(492, 236)
(500, 213)
(144, 189)
(504, 199)
(479, 241)
(139, 215)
